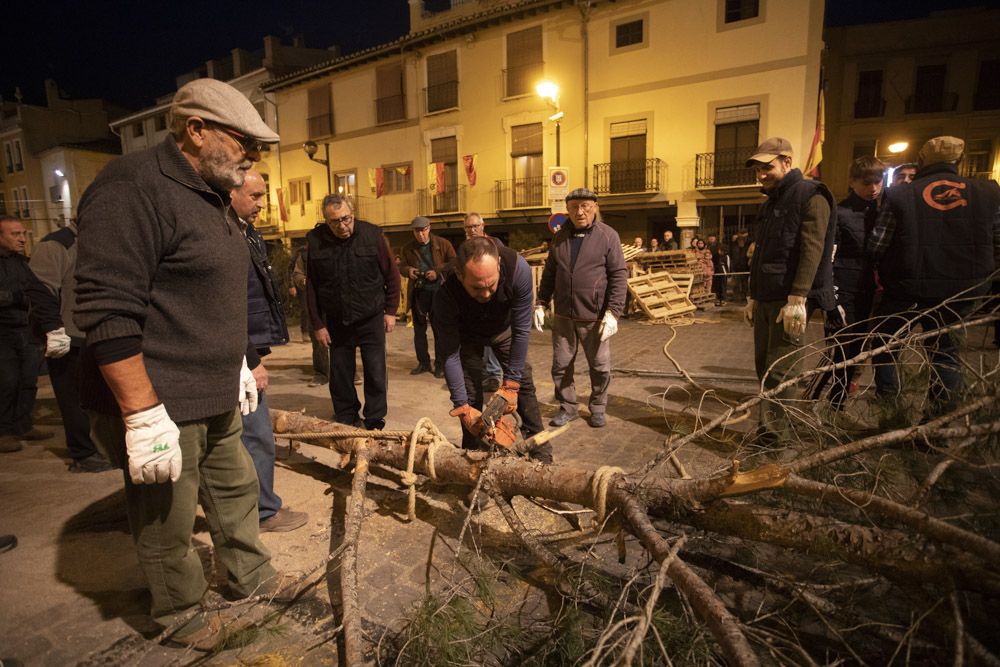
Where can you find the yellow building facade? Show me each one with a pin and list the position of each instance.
(659, 104)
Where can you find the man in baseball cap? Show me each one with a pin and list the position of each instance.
(424, 261)
(162, 299)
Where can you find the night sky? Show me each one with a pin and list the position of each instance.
(129, 52)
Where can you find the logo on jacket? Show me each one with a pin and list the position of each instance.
(945, 195)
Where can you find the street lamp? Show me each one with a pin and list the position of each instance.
(898, 147)
(549, 91)
(310, 147)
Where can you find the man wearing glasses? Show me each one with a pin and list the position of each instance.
(353, 288)
(162, 298)
(586, 277)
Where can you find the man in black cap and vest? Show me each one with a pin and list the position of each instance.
(586, 276)
(353, 289)
(161, 296)
(791, 273)
(424, 261)
(935, 245)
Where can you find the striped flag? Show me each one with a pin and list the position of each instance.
(816, 150)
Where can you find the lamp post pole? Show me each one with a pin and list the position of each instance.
(310, 147)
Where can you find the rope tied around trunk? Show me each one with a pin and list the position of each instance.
(599, 490)
(427, 431)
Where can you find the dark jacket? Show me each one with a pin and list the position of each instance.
(161, 258)
(596, 284)
(16, 281)
(852, 269)
(53, 260)
(265, 312)
(442, 253)
(943, 240)
(352, 279)
(787, 249)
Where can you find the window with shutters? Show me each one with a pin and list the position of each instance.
(390, 102)
(524, 62)
(628, 156)
(869, 103)
(978, 159)
(527, 188)
(18, 157)
(299, 192)
(442, 81)
(988, 86)
(741, 10)
(928, 92)
(445, 150)
(736, 132)
(15, 198)
(9, 155)
(320, 117)
(629, 34)
(397, 178)
(25, 208)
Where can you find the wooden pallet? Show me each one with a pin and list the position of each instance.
(659, 296)
(630, 252)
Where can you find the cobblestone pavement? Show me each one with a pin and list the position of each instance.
(72, 588)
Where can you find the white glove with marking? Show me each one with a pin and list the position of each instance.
(793, 316)
(152, 442)
(56, 343)
(609, 326)
(248, 389)
(539, 317)
(748, 311)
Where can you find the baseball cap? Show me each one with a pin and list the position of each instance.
(220, 103)
(581, 193)
(942, 149)
(770, 149)
(420, 222)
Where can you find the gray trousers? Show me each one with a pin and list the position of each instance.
(567, 337)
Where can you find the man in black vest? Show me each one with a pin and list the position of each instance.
(791, 272)
(353, 296)
(265, 327)
(487, 301)
(935, 244)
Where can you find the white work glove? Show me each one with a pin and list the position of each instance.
(748, 311)
(56, 343)
(152, 442)
(539, 317)
(248, 390)
(793, 316)
(609, 326)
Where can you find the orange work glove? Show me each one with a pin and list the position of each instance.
(508, 391)
(470, 418)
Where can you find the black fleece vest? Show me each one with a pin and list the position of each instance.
(349, 285)
(265, 315)
(852, 271)
(943, 240)
(776, 256)
(485, 320)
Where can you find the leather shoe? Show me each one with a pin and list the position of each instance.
(205, 632)
(283, 521)
(598, 420)
(562, 418)
(439, 372)
(93, 463)
(421, 368)
(317, 381)
(35, 434)
(10, 443)
(287, 588)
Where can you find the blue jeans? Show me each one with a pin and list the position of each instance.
(491, 363)
(258, 438)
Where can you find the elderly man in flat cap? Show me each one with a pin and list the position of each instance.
(791, 273)
(935, 244)
(162, 300)
(586, 277)
(424, 261)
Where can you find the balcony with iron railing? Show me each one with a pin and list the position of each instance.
(390, 109)
(514, 193)
(629, 176)
(869, 107)
(441, 203)
(441, 96)
(521, 80)
(724, 169)
(931, 103)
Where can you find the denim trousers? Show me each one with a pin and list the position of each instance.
(258, 438)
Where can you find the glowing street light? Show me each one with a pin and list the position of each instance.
(549, 91)
(898, 147)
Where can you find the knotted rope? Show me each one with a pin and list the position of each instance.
(599, 490)
(426, 431)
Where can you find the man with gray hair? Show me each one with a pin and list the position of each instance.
(353, 288)
(162, 299)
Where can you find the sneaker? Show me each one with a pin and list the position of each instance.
(93, 463)
(318, 381)
(283, 521)
(562, 418)
(10, 443)
(598, 420)
(35, 434)
(420, 368)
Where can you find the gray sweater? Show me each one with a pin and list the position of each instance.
(160, 258)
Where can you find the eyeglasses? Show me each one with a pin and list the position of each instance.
(344, 221)
(583, 205)
(246, 144)
(479, 226)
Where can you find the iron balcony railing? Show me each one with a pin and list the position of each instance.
(441, 96)
(520, 193)
(629, 176)
(437, 203)
(521, 80)
(723, 169)
(869, 107)
(390, 109)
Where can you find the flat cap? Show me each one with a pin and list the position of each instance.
(220, 103)
(942, 149)
(771, 148)
(581, 193)
(420, 222)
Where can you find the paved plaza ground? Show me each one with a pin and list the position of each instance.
(72, 590)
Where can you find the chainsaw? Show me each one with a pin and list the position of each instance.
(498, 428)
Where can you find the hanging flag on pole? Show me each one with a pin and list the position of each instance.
(379, 182)
(441, 184)
(371, 179)
(470, 168)
(816, 150)
(281, 205)
(432, 183)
